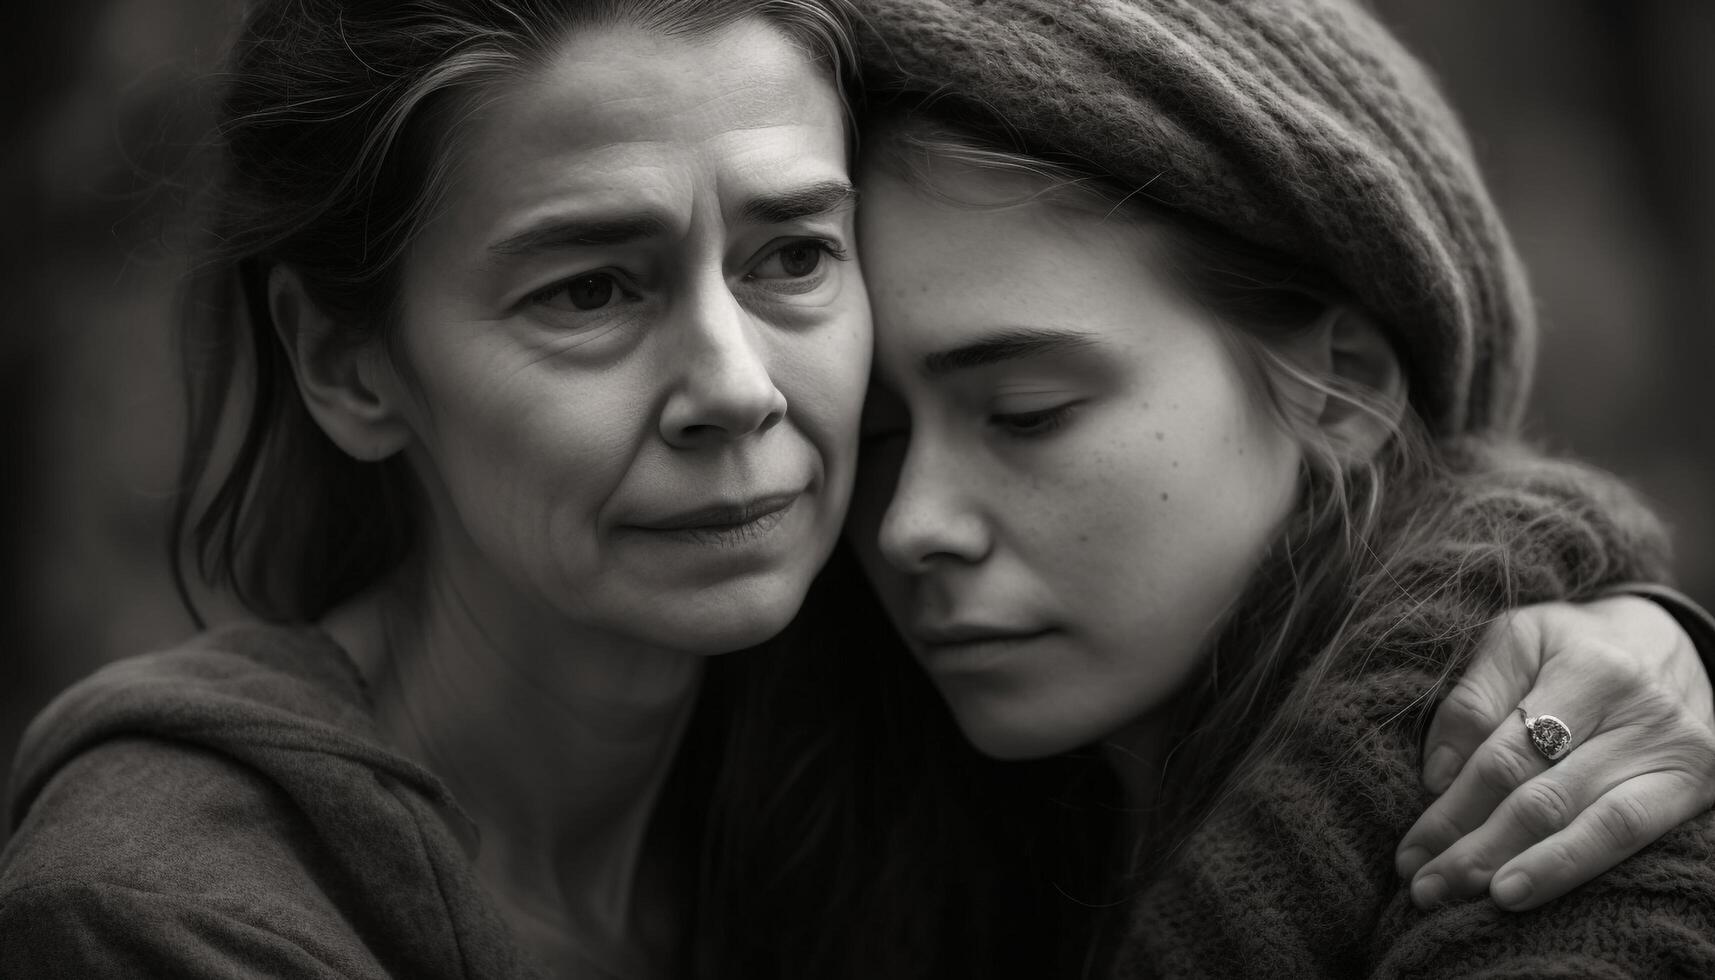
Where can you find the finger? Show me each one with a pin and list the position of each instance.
(1498, 767)
(1535, 811)
(1504, 762)
(1612, 829)
(1500, 672)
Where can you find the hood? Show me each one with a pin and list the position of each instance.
(286, 701)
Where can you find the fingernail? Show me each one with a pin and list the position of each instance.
(1409, 860)
(1439, 771)
(1512, 888)
(1429, 891)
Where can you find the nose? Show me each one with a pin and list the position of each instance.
(933, 518)
(724, 390)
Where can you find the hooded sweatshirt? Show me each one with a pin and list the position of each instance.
(229, 809)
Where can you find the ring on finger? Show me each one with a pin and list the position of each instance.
(1551, 736)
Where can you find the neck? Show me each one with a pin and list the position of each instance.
(1137, 756)
(557, 741)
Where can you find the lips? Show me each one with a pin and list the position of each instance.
(970, 634)
(720, 516)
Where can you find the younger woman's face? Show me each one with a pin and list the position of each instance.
(1066, 476)
(635, 350)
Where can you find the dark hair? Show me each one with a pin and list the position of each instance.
(855, 839)
(334, 127)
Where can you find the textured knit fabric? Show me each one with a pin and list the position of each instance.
(228, 810)
(1292, 875)
(1301, 126)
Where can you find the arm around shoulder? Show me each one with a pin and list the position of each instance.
(1292, 875)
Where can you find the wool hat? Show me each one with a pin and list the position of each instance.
(1298, 125)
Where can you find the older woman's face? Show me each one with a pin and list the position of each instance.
(637, 338)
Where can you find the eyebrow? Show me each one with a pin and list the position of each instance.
(557, 234)
(808, 201)
(1006, 345)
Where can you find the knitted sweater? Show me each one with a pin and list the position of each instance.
(1292, 875)
(227, 809)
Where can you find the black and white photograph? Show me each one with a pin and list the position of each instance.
(858, 490)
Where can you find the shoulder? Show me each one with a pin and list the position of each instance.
(1653, 915)
(100, 929)
(227, 685)
(146, 857)
(1288, 872)
(230, 793)
(1501, 524)
(1292, 873)
(291, 667)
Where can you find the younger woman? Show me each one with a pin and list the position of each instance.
(1200, 357)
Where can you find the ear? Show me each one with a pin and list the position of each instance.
(348, 387)
(1348, 346)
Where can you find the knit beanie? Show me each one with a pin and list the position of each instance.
(1298, 125)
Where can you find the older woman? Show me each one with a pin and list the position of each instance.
(548, 388)
(557, 370)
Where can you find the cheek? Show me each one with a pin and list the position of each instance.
(1161, 521)
(823, 374)
(525, 448)
(1103, 521)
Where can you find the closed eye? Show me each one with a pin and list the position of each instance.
(1040, 422)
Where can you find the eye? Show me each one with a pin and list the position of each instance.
(796, 259)
(1024, 425)
(585, 293)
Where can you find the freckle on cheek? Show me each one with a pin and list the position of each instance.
(1164, 496)
(1160, 436)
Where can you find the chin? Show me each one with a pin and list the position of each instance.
(1014, 739)
(735, 617)
(1016, 723)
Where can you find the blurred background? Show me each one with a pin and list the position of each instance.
(1594, 119)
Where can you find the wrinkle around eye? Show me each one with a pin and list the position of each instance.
(788, 290)
(826, 304)
(600, 343)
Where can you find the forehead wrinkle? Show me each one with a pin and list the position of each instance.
(579, 79)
